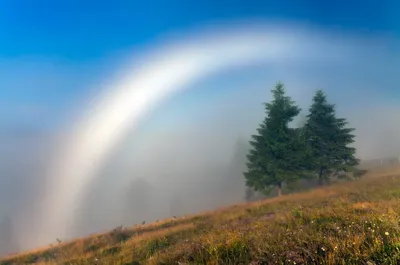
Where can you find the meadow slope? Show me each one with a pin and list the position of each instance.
(356, 222)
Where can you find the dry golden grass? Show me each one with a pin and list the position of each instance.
(355, 222)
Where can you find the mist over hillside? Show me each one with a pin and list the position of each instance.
(186, 182)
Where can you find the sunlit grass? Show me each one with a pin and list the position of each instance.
(355, 222)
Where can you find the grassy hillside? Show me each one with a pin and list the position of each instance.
(350, 223)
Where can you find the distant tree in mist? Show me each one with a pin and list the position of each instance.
(278, 153)
(7, 237)
(238, 161)
(138, 201)
(329, 140)
(176, 206)
(301, 121)
(233, 184)
(253, 195)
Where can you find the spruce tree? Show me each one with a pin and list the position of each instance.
(329, 140)
(277, 153)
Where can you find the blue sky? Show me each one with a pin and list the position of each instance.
(82, 30)
(52, 51)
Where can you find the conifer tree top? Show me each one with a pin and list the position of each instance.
(329, 138)
(277, 151)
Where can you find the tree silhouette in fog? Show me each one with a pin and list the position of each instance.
(138, 201)
(7, 237)
(233, 184)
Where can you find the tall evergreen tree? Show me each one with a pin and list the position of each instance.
(277, 153)
(329, 139)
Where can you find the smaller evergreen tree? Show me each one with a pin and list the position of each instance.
(329, 140)
(278, 153)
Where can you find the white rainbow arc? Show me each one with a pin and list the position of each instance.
(122, 106)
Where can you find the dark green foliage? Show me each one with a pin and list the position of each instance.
(387, 254)
(252, 195)
(329, 140)
(156, 244)
(31, 259)
(111, 251)
(358, 173)
(119, 235)
(281, 155)
(278, 153)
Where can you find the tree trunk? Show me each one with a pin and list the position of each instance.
(279, 189)
(320, 179)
